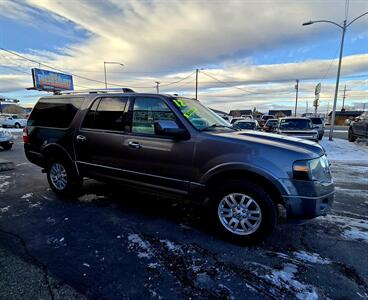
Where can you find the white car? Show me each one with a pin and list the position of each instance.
(12, 121)
(6, 139)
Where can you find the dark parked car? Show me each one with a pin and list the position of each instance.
(297, 127)
(176, 145)
(246, 124)
(358, 128)
(319, 126)
(270, 125)
(264, 119)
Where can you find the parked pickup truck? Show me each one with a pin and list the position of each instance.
(175, 145)
(358, 128)
(12, 121)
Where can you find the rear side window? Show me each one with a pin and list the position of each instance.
(55, 112)
(106, 114)
(316, 120)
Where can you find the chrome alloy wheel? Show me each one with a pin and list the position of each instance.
(58, 176)
(239, 213)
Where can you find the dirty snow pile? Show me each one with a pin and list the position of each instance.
(343, 150)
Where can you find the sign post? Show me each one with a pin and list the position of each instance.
(317, 91)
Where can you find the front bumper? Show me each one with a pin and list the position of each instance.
(308, 199)
(6, 140)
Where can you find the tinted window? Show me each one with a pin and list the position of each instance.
(245, 125)
(106, 114)
(316, 120)
(293, 124)
(148, 110)
(55, 112)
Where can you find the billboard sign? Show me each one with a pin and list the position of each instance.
(50, 81)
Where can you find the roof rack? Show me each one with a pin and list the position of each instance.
(109, 90)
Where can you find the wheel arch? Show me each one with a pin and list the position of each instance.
(52, 150)
(266, 181)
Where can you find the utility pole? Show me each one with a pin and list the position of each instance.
(343, 98)
(306, 104)
(296, 96)
(157, 87)
(196, 85)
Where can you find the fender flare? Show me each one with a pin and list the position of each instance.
(240, 166)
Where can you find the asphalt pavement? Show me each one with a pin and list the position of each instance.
(113, 243)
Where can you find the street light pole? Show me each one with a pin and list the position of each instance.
(296, 96)
(111, 63)
(196, 85)
(330, 135)
(344, 27)
(157, 87)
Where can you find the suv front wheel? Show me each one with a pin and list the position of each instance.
(62, 178)
(242, 212)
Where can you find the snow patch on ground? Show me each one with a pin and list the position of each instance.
(4, 209)
(314, 258)
(137, 244)
(343, 150)
(171, 246)
(90, 198)
(56, 242)
(4, 186)
(26, 196)
(352, 229)
(285, 278)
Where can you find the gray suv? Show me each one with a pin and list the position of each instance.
(176, 145)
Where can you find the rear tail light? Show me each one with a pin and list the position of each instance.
(25, 135)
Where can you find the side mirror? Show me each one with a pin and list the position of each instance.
(171, 129)
(315, 127)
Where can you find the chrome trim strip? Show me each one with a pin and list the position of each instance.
(312, 198)
(133, 172)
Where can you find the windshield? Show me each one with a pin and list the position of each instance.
(245, 125)
(271, 122)
(200, 116)
(295, 124)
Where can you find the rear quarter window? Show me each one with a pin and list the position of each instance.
(55, 112)
(316, 120)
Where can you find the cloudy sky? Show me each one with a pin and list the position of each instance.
(250, 52)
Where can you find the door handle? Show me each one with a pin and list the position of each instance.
(80, 138)
(134, 145)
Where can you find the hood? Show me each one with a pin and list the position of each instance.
(309, 149)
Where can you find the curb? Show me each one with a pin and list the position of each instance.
(6, 165)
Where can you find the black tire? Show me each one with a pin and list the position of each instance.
(351, 136)
(7, 146)
(73, 182)
(265, 204)
(17, 125)
(320, 137)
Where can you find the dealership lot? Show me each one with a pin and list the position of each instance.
(115, 243)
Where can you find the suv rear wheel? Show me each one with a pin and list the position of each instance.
(351, 136)
(62, 178)
(242, 212)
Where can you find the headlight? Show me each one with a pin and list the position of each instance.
(317, 169)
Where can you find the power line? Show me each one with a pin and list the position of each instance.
(180, 80)
(223, 82)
